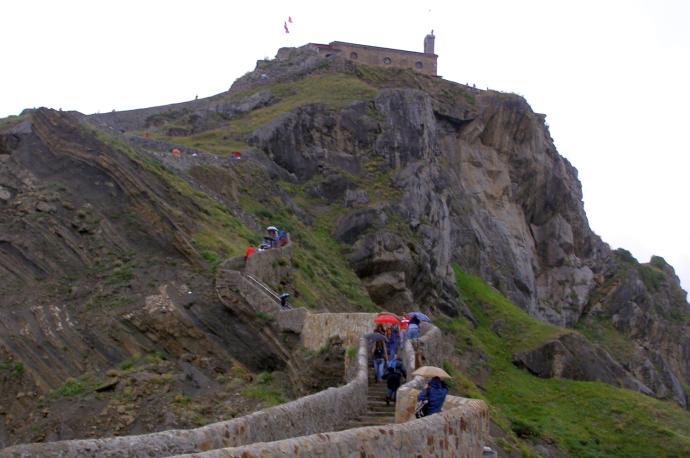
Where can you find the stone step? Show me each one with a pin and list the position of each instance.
(377, 402)
(377, 389)
(370, 421)
(382, 410)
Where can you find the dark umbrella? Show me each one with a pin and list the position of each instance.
(420, 316)
(375, 337)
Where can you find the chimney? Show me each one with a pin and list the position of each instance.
(429, 43)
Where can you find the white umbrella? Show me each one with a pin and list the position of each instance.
(431, 371)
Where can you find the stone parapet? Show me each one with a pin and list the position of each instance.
(319, 412)
(258, 299)
(320, 327)
(270, 266)
(459, 431)
(292, 319)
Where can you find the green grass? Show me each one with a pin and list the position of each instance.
(265, 390)
(602, 332)
(139, 361)
(320, 274)
(352, 352)
(265, 317)
(75, 387)
(11, 120)
(218, 233)
(121, 275)
(334, 90)
(585, 419)
(14, 368)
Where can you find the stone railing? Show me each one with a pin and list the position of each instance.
(319, 327)
(258, 300)
(299, 427)
(322, 411)
(270, 265)
(460, 431)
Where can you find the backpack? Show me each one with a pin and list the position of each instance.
(420, 409)
(378, 351)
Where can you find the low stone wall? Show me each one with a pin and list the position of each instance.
(258, 299)
(459, 431)
(319, 412)
(292, 319)
(319, 327)
(270, 266)
(434, 349)
(433, 352)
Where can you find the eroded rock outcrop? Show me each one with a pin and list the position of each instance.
(572, 356)
(477, 181)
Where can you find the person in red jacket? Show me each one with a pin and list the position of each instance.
(250, 251)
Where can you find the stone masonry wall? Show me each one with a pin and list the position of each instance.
(322, 411)
(270, 266)
(319, 327)
(386, 57)
(458, 431)
(259, 300)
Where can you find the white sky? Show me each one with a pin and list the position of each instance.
(612, 76)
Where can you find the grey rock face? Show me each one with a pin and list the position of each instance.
(645, 303)
(572, 356)
(387, 266)
(479, 183)
(357, 222)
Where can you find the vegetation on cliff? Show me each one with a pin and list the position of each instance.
(585, 419)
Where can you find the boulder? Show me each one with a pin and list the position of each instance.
(356, 222)
(573, 357)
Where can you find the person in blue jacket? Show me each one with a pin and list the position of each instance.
(392, 344)
(434, 393)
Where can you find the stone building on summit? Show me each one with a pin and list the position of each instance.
(423, 62)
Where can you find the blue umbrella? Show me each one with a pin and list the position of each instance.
(420, 316)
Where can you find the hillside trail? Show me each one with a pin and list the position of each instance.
(261, 297)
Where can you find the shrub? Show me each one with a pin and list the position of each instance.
(264, 316)
(72, 387)
(352, 351)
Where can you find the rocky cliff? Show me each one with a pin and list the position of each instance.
(385, 177)
(105, 291)
(474, 178)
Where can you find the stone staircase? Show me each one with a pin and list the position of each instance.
(261, 298)
(378, 412)
(313, 425)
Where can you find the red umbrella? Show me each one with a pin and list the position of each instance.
(386, 319)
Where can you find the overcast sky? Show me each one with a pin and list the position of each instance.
(612, 76)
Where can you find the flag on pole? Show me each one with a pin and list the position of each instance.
(290, 19)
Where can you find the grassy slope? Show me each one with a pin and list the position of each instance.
(334, 90)
(322, 276)
(583, 418)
